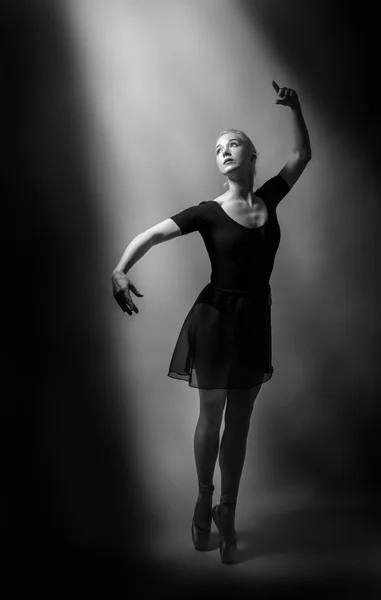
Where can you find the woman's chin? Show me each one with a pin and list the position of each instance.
(229, 169)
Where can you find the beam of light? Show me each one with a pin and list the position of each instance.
(162, 79)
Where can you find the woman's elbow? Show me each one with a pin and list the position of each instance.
(305, 156)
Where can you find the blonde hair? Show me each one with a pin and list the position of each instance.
(246, 138)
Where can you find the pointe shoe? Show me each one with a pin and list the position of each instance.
(228, 542)
(201, 536)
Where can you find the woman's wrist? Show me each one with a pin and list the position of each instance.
(119, 270)
(296, 108)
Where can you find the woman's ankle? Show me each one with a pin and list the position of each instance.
(205, 491)
(228, 503)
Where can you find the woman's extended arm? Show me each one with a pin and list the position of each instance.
(301, 152)
(136, 249)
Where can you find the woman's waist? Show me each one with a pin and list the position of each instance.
(242, 280)
(257, 288)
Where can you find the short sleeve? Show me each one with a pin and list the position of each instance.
(193, 218)
(274, 190)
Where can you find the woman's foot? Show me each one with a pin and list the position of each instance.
(202, 518)
(224, 519)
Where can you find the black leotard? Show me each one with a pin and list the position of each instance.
(242, 258)
(225, 340)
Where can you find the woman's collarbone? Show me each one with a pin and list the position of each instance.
(249, 216)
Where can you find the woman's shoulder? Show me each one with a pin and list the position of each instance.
(273, 190)
(219, 200)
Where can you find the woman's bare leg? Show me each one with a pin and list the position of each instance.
(238, 412)
(206, 445)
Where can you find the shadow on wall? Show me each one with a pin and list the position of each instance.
(70, 487)
(333, 434)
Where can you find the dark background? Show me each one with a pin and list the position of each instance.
(54, 352)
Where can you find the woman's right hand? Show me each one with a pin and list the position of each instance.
(121, 286)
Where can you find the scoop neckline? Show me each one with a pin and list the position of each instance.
(239, 224)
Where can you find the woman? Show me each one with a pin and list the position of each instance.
(224, 346)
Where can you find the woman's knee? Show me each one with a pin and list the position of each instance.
(240, 404)
(212, 404)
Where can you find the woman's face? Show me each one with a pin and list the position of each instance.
(232, 153)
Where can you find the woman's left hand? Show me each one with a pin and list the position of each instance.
(286, 96)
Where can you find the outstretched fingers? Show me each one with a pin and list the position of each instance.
(275, 86)
(134, 289)
(125, 302)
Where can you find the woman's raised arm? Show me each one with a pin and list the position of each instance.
(301, 152)
(136, 249)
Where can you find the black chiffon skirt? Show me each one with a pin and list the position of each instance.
(225, 340)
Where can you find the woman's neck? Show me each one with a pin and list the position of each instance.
(241, 190)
